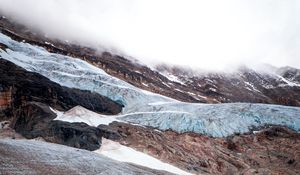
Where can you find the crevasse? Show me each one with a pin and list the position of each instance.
(146, 108)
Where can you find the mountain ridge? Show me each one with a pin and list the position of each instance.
(195, 89)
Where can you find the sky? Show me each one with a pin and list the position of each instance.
(202, 34)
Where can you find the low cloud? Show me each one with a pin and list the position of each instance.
(212, 35)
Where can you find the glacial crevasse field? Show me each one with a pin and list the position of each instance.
(146, 108)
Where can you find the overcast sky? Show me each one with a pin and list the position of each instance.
(211, 34)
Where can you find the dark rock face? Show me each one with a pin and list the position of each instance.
(78, 135)
(274, 150)
(18, 86)
(25, 98)
(3, 46)
(109, 133)
(244, 86)
(36, 120)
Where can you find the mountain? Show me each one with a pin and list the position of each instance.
(144, 107)
(69, 95)
(243, 85)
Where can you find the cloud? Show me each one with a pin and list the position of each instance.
(212, 35)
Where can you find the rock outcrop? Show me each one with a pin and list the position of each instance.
(18, 86)
(36, 120)
(25, 98)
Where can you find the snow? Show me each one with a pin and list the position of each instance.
(252, 88)
(166, 84)
(145, 84)
(172, 77)
(4, 124)
(209, 80)
(289, 83)
(178, 90)
(80, 114)
(191, 93)
(49, 43)
(144, 107)
(37, 157)
(75, 73)
(201, 96)
(122, 153)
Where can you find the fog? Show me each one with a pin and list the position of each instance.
(210, 35)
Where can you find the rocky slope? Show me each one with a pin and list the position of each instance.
(253, 152)
(245, 85)
(18, 86)
(35, 120)
(146, 108)
(263, 85)
(89, 104)
(25, 99)
(275, 150)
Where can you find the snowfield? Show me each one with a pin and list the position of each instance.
(80, 114)
(37, 157)
(122, 153)
(142, 107)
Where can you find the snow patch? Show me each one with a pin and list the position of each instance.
(49, 43)
(80, 114)
(289, 83)
(172, 77)
(116, 151)
(251, 86)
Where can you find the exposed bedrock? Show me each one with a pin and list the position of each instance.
(18, 86)
(25, 98)
(274, 150)
(36, 120)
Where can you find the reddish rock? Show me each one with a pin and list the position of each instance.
(5, 99)
(274, 150)
(18, 87)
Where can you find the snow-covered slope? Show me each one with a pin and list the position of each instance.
(74, 73)
(122, 153)
(80, 114)
(37, 157)
(143, 107)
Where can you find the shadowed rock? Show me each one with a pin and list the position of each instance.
(18, 86)
(36, 120)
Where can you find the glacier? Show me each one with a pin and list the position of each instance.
(147, 108)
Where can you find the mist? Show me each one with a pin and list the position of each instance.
(210, 35)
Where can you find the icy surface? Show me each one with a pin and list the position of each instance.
(37, 157)
(122, 153)
(143, 107)
(74, 73)
(215, 119)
